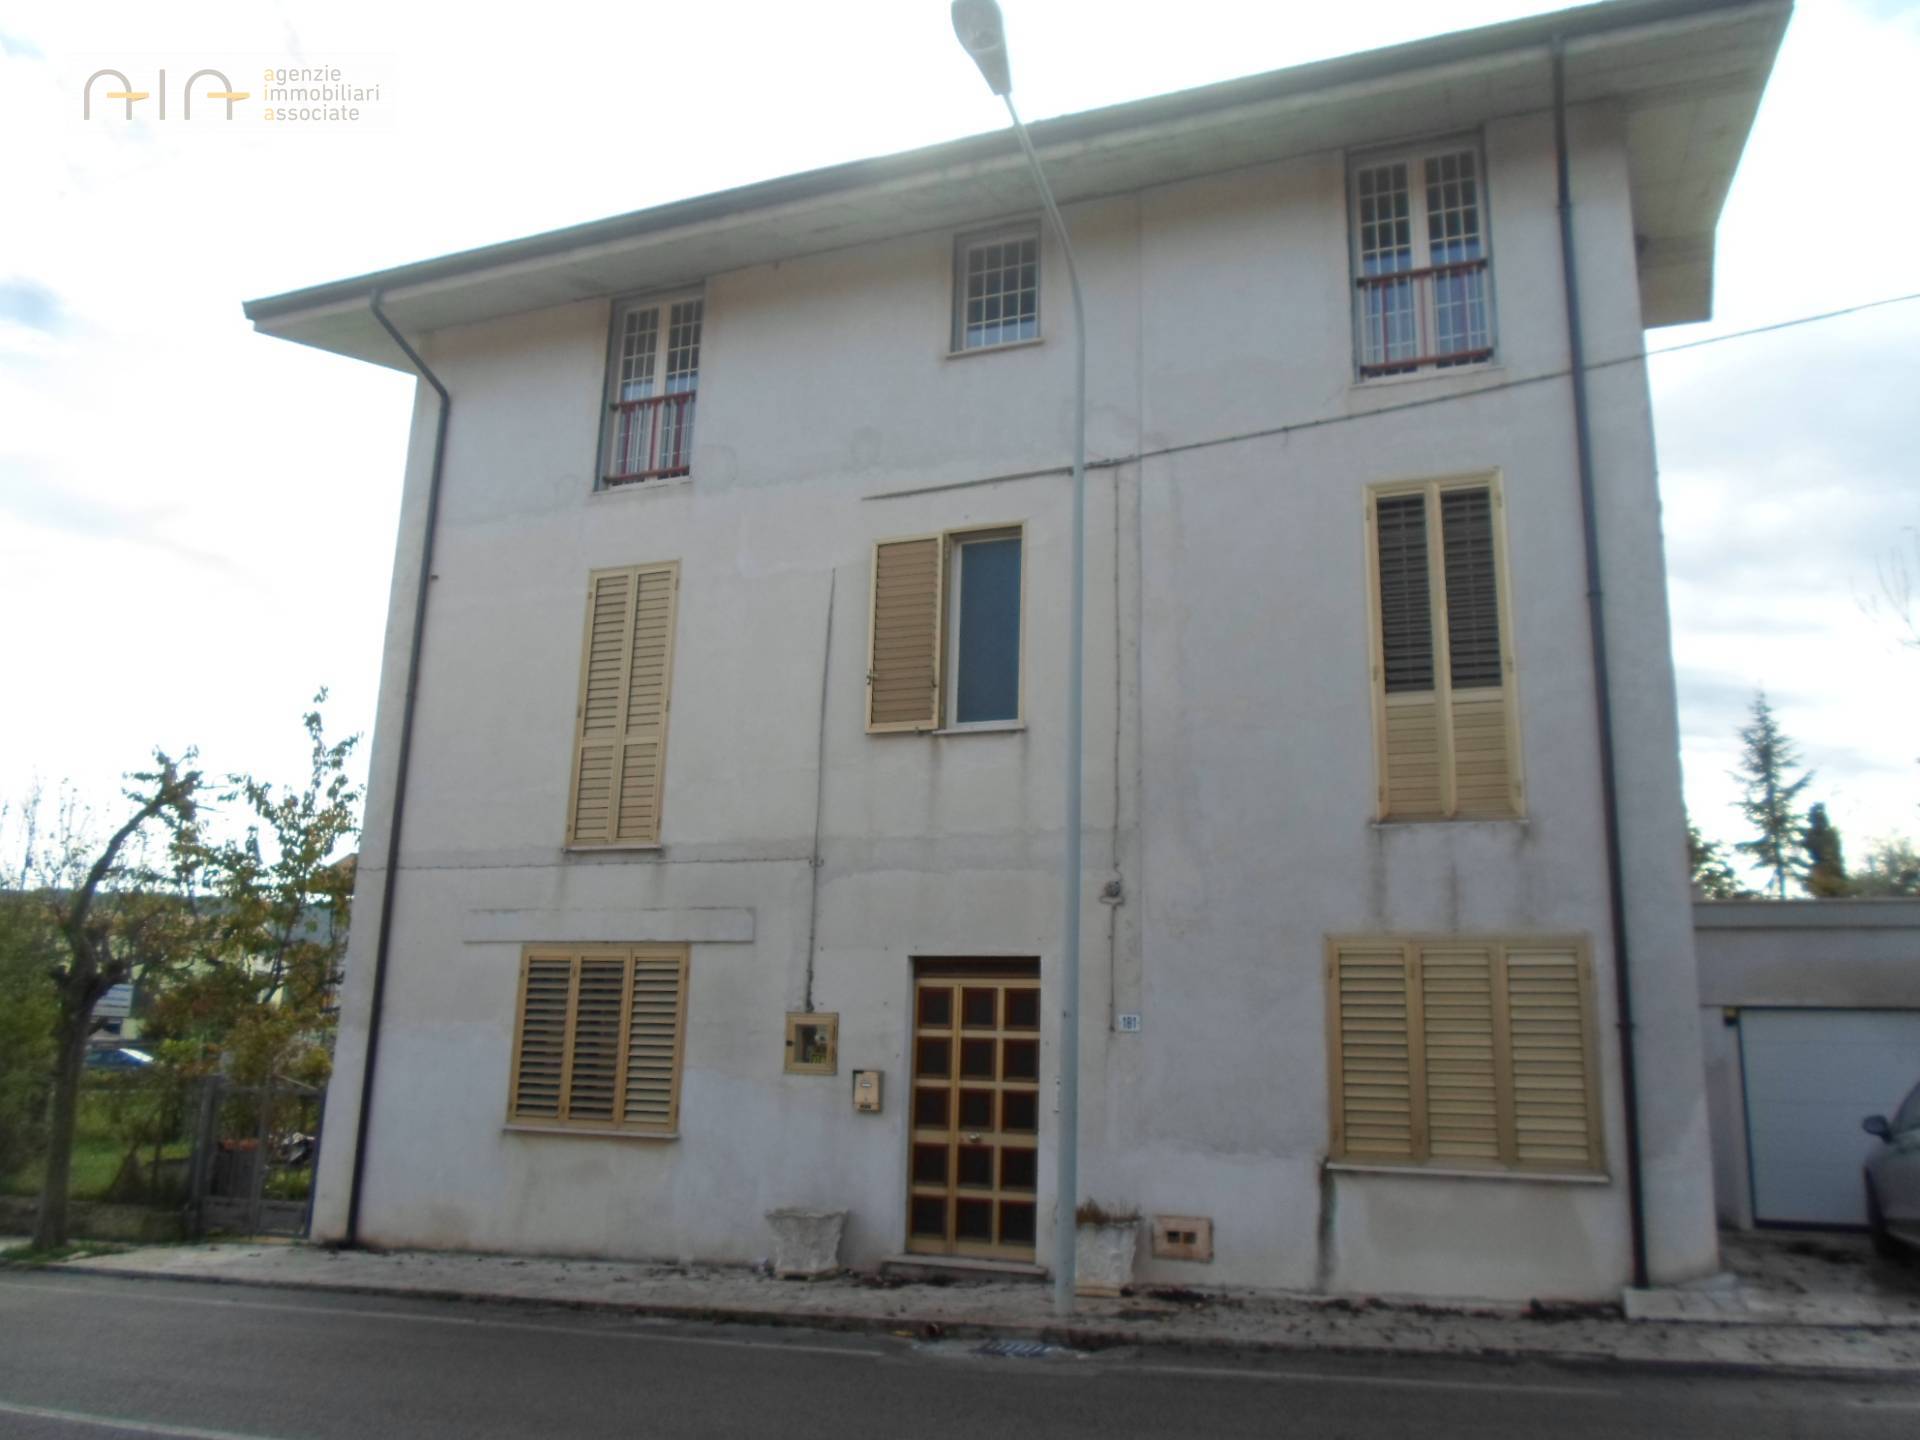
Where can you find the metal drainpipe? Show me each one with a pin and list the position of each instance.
(1602, 688)
(383, 941)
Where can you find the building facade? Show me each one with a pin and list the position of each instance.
(729, 871)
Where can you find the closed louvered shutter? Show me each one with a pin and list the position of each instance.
(1474, 1053)
(599, 1036)
(1458, 1024)
(540, 1052)
(625, 693)
(1447, 742)
(903, 663)
(1554, 1119)
(1473, 597)
(599, 1010)
(1412, 781)
(1377, 1077)
(1484, 784)
(1406, 604)
(652, 1098)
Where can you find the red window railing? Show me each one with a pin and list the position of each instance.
(1407, 319)
(652, 438)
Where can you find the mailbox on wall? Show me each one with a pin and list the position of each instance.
(866, 1092)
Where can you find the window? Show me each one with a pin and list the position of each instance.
(1463, 1053)
(598, 1038)
(996, 288)
(944, 648)
(813, 1044)
(1421, 293)
(626, 684)
(653, 374)
(1444, 715)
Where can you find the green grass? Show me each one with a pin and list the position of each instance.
(98, 1152)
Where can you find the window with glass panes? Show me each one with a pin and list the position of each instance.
(996, 288)
(1421, 261)
(654, 375)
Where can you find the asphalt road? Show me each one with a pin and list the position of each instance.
(87, 1357)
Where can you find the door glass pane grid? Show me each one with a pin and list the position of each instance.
(1453, 235)
(639, 338)
(1388, 326)
(974, 1163)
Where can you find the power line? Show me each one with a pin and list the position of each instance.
(1324, 421)
(1497, 387)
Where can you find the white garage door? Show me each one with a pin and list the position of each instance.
(1812, 1076)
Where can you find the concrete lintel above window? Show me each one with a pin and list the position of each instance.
(1457, 1172)
(524, 927)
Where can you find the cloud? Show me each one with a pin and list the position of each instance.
(31, 304)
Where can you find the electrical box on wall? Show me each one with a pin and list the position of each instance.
(1182, 1237)
(866, 1092)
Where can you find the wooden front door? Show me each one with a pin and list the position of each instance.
(976, 1116)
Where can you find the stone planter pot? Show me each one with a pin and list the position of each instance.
(1103, 1257)
(806, 1243)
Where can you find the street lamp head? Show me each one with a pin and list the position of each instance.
(977, 23)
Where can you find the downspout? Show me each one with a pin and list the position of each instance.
(383, 939)
(1602, 687)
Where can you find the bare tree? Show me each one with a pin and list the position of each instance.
(113, 915)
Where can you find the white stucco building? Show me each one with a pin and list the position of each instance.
(1350, 973)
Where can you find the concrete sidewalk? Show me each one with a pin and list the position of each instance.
(1744, 1324)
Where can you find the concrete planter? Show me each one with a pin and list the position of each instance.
(806, 1243)
(1103, 1257)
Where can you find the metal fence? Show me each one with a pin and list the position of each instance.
(251, 1171)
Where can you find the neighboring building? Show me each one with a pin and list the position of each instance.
(1810, 1021)
(1349, 977)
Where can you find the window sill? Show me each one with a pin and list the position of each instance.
(1425, 823)
(642, 487)
(1461, 1172)
(1359, 386)
(983, 727)
(651, 849)
(581, 1133)
(996, 349)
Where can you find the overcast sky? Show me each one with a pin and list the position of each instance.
(196, 523)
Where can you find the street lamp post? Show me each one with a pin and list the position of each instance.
(978, 24)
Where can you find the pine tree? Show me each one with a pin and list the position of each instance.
(1826, 872)
(1767, 801)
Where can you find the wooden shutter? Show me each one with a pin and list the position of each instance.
(1463, 1056)
(1412, 782)
(1378, 1084)
(598, 1038)
(903, 651)
(1469, 1052)
(1447, 744)
(1556, 1120)
(655, 1029)
(540, 1036)
(620, 745)
(1485, 777)
(599, 1015)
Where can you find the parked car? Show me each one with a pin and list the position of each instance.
(121, 1057)
(1893, 1177)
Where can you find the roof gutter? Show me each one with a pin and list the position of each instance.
(391, 870)
(1104, 125)
(1602, 685)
